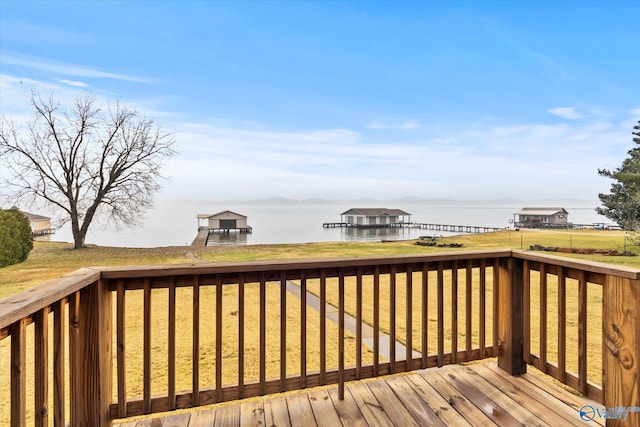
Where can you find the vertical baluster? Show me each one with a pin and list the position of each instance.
(171, 353)
(58, 364)
(440, 314)
(496, 305)
(303, 329)
(18, 332)
(543, 317)
(323, 325)
(358, 322)
(562, 326)
(218, 338)
(147, 347)
(41, 367)
(425, 314)
(482, 316)
(454, 312)
(74, 309)
(263, 335)
(582, 333)
(241, 336)
(376, 320)
(392, 319)
(195, 350)
(409, 319)
(341, 336)
(283, 332)
(121, 350)
(526, 315)
(468, 314)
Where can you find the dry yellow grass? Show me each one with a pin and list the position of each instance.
(50, 260)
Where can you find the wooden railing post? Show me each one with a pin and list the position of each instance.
(621, 348)
(510, 316)
(92, 372)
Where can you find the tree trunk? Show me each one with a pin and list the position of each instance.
(78, 234)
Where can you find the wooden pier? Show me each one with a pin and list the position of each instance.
(245, 230)
(418, 225)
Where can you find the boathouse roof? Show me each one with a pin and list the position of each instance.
(227, 212)
(542, 211)
(35, 217)
(375, 212)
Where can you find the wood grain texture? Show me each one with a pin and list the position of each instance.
(621, 347)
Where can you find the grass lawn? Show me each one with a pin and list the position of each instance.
(50, 260)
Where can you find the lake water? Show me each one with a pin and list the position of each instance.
(174, 223)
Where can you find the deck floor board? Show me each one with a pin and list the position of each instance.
(476, 395)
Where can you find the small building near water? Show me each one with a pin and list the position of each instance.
(40, 225)
(542, 218)
(374, 217)
(224, 222)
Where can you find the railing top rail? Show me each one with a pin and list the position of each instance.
(296, 264)
(579, 264)
(24, 304)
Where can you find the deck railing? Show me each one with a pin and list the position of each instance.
(141, 340)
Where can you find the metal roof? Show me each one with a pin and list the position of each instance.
(376, 212)
(541, 211)
(204, 216)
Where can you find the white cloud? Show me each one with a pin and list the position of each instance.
(568, 113)
(73, 83)
(406, 125)
(75, 70)
(636, 113)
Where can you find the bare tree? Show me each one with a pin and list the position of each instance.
(85, 161)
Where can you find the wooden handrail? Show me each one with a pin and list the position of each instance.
(400, 289)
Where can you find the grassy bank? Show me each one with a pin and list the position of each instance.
(50, 260)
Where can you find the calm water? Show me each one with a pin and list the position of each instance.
(174, 222)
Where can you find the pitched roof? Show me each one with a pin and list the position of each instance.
(376, 212)
(35, 217)
(220, 213)
(541, 211)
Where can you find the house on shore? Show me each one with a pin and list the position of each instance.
(224, 222)
(40, 225)
(542, 218)
(375, 217)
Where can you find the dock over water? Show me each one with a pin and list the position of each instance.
(418, 225)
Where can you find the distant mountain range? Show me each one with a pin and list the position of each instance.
(413, 200)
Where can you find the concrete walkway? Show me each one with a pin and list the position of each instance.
(350, 323)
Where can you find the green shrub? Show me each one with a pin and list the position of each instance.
(15, 237)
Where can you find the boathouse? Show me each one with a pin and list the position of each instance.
(40, 225)
(542, 218)
(225, 221)
(374, 217)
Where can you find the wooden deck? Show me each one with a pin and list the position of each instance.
(455, 395)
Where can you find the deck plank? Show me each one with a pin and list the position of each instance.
(474, 395)
(300, 411)
(391, 405)
(539, 401)
(372, 411)
(437, 403)
(203, 418)
(179, 420)
(276, 412)
(456, 400)
(347, 409)
(516, 415)
(324, 411)
(228, 416)
(252, 414)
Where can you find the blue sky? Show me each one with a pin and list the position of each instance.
(339, 99)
